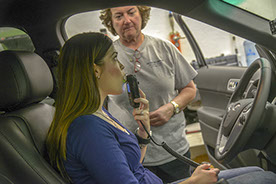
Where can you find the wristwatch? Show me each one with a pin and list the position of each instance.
(176, 107)
(142, 140)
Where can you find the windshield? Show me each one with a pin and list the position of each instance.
(263, 8)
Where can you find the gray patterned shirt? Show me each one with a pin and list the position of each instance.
(163, 71)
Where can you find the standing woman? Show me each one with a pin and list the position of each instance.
(167, 80)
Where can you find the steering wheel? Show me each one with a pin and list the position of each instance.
(243, 114)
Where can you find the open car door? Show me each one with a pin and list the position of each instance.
(215, 85)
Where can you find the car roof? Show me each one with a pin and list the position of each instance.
(41, 18)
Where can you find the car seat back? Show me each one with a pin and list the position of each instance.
(25, 80)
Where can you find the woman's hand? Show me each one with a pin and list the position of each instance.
(162, 115)
(203, 176)
(142, 114)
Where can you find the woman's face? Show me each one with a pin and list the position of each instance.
(126, 21)
(111, 76)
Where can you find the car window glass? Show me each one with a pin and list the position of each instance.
(218, 47)
(264, 8)
(15, 39)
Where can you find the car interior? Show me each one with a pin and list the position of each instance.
(28, 86)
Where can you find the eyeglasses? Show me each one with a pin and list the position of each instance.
(137, 64)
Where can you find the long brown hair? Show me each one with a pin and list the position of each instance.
(77, 92)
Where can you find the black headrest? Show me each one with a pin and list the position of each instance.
(25, 78)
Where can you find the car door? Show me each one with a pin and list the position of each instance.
(215, 83)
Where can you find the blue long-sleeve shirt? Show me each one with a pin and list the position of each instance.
(97, 152)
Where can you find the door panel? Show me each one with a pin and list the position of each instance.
(215, 85)
(209, 122)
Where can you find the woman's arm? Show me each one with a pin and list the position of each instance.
(163, 114)
(141, 114)
(143, 153)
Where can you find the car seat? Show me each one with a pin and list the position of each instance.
(25, 80)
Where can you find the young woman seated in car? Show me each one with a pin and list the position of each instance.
(85, 142)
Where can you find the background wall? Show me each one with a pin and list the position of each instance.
(213, 42)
